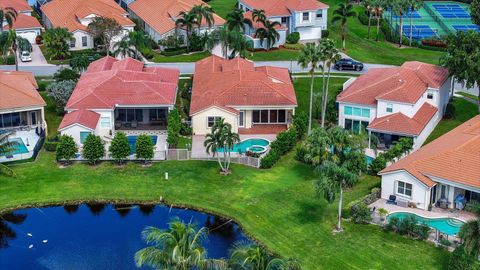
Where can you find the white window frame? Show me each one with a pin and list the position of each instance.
(320, 12)
(389, 108)
(430, 93)
(73, 43)
(215, 119)
(105, 122)
(303, 16)
(241, 119)
(84, 41)
(404, 186)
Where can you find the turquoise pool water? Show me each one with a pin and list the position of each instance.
(132, 140)
(247, 144)
(450, 226)
(18, 147)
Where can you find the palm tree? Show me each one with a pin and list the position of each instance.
(7, 14)
(258, 15)
(317, 146)
(6, 232)
(378, 7)
(138, 40)
(178, 248)
(236, 21)
(369, 9)
(414, 6)
(333, 180)
(269, 33)
(400, 7)
(229, 40)
(203, 12)
(470, 234)
(310, 57)
(11, 44)
(219, 36)
(231, 138)
(254, 257)
(342, 13)
(6, 147)
(221, 137)
(187, 20)
(239, 44)
(331, 56)
(123, 48)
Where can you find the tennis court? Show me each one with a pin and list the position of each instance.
(451, 11)
(466, 27)
(415, 15)
(420, 32)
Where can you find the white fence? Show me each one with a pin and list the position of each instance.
(185, 154)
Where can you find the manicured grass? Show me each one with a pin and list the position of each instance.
(223, 7)
(274, 55)
(193, 57)
(184, 143)
(464, 110)
(277, 206)
(468, 95)
(51, 116)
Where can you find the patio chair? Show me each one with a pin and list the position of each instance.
(392, 199)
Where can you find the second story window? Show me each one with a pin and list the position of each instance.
(429, 95)
(319, 15)
(306, 16)
(284, 20)
(389, 107)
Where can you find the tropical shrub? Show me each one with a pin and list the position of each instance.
(363, 17)
(173, 127)
(408, 226)
(449, 111)
(360, 213)
(459, 260)
(300, 122)
(60, 92)
(174, 52)
(269, 159)
(172, 42)
(285, 141)
(144, 148)
(66, 149)
(377, 165)
(51, 146)
(93, 149)
(293, 38)
(186, 130)
(119, 148)
(296, 46)
(66, 74)
(56, 41)
(325, 33)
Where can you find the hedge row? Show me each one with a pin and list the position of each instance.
(367, 200)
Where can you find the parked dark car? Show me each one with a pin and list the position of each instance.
(349, 64)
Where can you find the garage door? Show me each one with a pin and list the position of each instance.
(30, 35)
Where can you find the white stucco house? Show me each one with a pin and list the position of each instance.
(157, 19)
(307, 17)
(125, 96)
(254, 100)
(444, 173)
(25, 24)
(76, 15)
(390, 103)
(22, 115)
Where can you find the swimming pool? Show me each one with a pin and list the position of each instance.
(255, 145)
(132, 140)
(18, 147)
(450, 226)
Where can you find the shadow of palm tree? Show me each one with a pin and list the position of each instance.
(123, 209)
(96, 208)
(146, 209)
(220, 226)
(6, 232)
(71, 208)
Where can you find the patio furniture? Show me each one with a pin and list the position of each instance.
(402, 203)
(392, 199)
(443, 203)
(134, 124)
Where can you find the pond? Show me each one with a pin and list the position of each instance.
(97, 236)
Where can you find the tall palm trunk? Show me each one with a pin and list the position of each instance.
(324, 108)
(311, 101)
(323, 89)
(369, 23)
(378, 27)
(220, 162)
(401, 30)
(340, 202)
(411, 27)
(344, 35)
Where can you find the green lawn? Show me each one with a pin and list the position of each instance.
(51, 116)
(464, 110)
(469, 95)
(193, 57)
(274, 55)
(223, 7)
(277, 206)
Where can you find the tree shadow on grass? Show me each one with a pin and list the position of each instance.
(310, 212)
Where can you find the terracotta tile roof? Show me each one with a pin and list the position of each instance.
(85, 118)
(454, 157)
(284, 7)
(25, 22)
(67, 13)
(229, 83)
(403, 84)
(399, 123)
(18, 5)
(18, 89)
(109, 82)
(161, 15)
(263, 129)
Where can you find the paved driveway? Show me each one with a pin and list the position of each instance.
(37, 58)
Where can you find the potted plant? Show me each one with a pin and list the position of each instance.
(383, 213)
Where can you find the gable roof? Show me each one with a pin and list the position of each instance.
(454, 156)
(229, 83)
(18, 5)
(399, 123)
(161, 15)
(406, 84)
(284, 7)
(67, 13)
(85, 118)
(18, 89)
(109, 82)
(24, 22)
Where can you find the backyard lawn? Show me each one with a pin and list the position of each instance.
(51, 116)
(193, 57)
(276, 206)
(464, 110)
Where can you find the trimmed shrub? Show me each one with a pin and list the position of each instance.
(269, 159)
(119, 148)
(50, 146)
(285, 141)
(296, 47)
(173, 127)
(186, 130)
(93, 149)
(363, 17)
(377, 165)
(60, 92)
(144, 148)
(434, 42)
(42, 85)
(360, 213)
(147, 53)
(300, 153)
(300, 122)
(66, 74)
(173, 52)
(66, 149)
(293, 38)
(10, 60)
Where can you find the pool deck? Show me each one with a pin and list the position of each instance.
(435, 213)
(198, 150)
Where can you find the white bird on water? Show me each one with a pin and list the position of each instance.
(31, 246)
(29, 234)
(45, 241)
